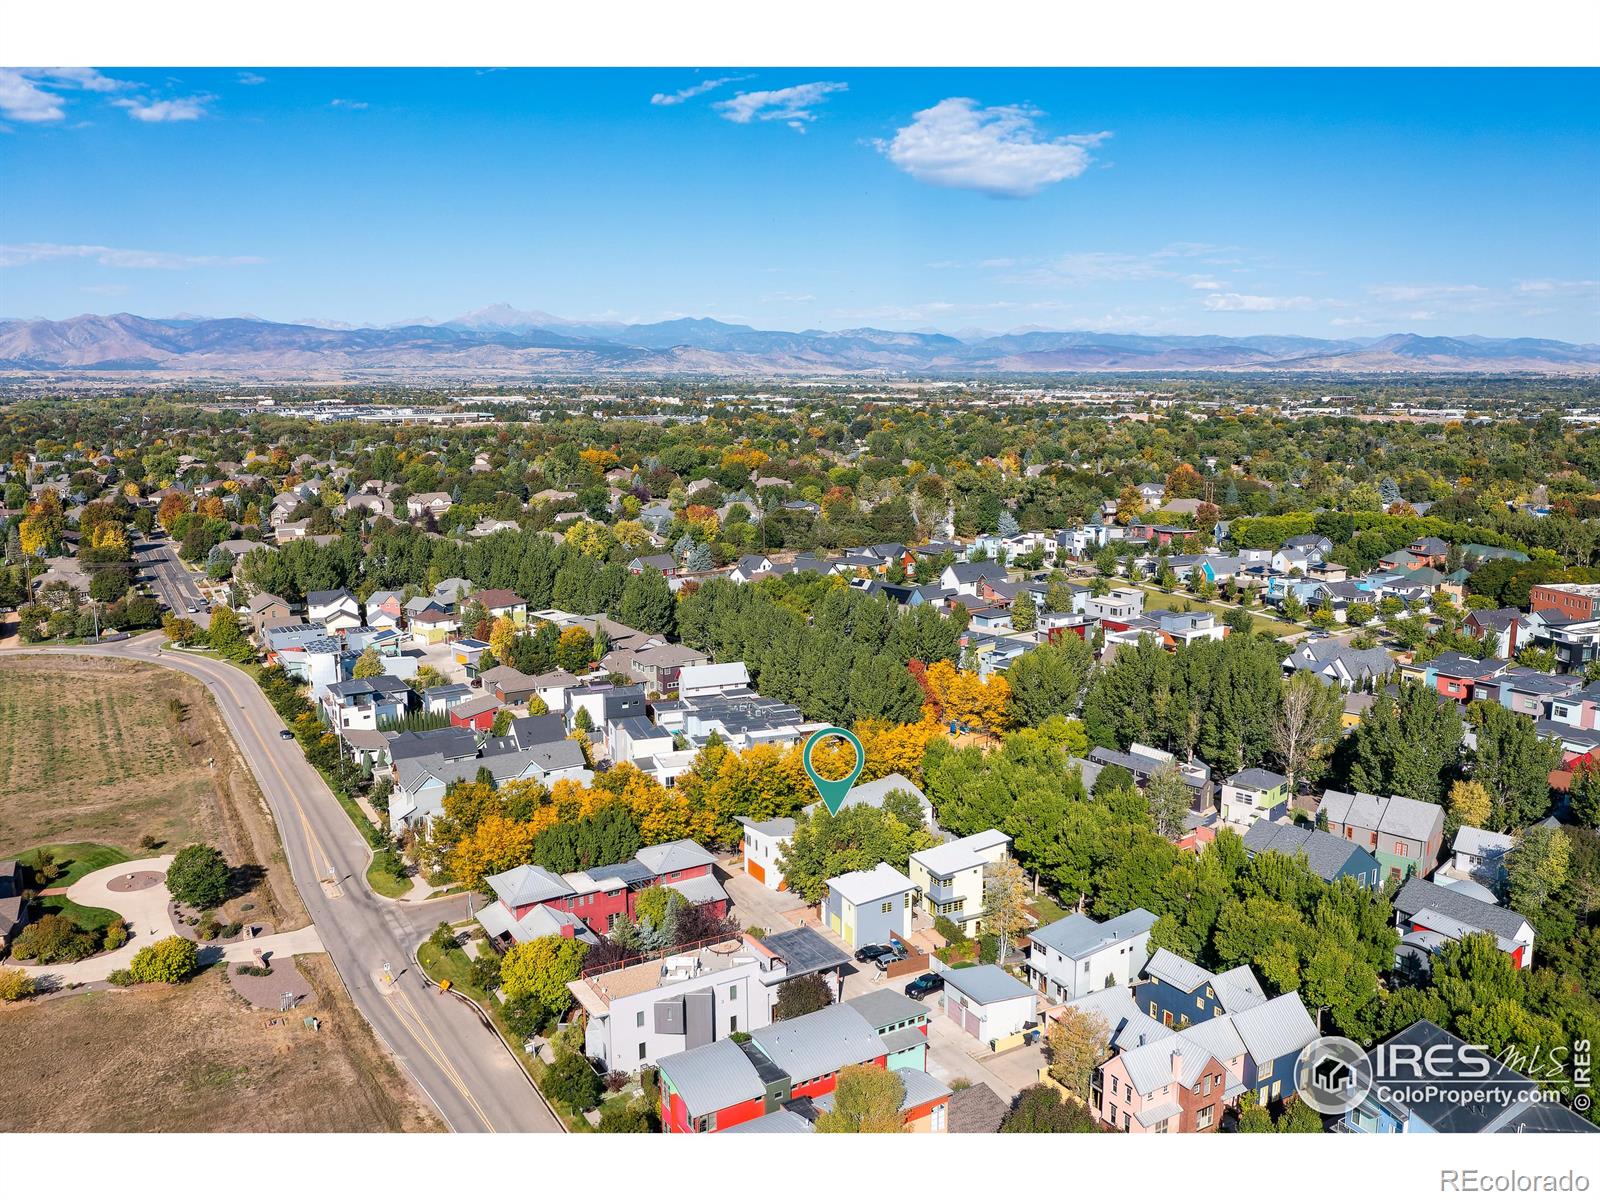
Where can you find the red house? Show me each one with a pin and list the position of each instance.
(477, 713)
(534, 902)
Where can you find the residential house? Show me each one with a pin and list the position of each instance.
(1432, 915)
(636, 737)
(989, 1003)
(336, 611)
(13, 908)
(1077, 955)
(1578, 710)
(385, 609)
(596, 897)
(1340, 664)
(509, 685)
(1175, 990)
(1254, 794)
(950, 877)
(1118, 605)
(1406, 1096)
(868, 907)
(762, 845)
(1480, 854)
(431, 623)
(452, 591)
(434, 504)
(1533, 693)
(477, 713)
(1175, 1084)
(365, 703)
(900, 1021)
(1458, 677)
(711, 679)
(664, 563)
(1506, 625)
(965, 578)
(876, 793)
(1143, 762)
(1403, 834)
(267, 611)
(643, 1012)
(421, 781)
(1325, 856)
(502, 602)
(659, 665)
(749, 567)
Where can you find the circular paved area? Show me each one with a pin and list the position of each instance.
(133, 881)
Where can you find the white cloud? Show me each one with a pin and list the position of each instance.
(84, 78)
(997, 150)
(699, 89)
(1205, 284)
(251, 79)
(188, 108)
(27, 253)
(355, 105)
(21, 99)
(1234, 302)
(1412, 293)
(1556, 287)
(791, 105)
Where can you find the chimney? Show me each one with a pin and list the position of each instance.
(1177, 1065)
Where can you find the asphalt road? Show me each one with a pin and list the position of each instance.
(174, 586)
(460, 1064)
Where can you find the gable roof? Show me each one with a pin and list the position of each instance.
(818, 1043)
(1419, 895)
(1325, 853)
(1271, 1030)
(1076, 934)
(1235, 989)
(713, 1077)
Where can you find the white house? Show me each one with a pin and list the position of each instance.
(1077, 955)
(711, 679)
(988, 1003)
(1480, 854)
(762, 845)
(437, 503)
(949, 877)
(335, 611)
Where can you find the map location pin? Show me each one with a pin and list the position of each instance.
(833, 791)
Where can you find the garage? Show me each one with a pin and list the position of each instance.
(988, 1003)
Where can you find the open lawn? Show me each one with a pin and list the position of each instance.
(196, 1058)
(101, 754)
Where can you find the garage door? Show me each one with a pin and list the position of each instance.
(952, 1009)
(755, 870)
(970, 1020)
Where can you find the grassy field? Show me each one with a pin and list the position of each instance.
(196, 1058)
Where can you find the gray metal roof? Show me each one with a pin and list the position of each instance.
(781, 1120)
(1419, 894)
(1271, 1030)
(1258, 778)
(700, 889)
(818, 1043)
(804, 950)
(713, 1077)
(528, 884)
(1075, 935)
(675, 856)
(986, 984)
(1126, 1023)
(883, 1007)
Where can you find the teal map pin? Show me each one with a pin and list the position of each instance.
(833, 791)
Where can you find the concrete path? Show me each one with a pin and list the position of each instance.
(145, 911)
(287, 945)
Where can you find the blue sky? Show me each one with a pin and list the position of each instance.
(1334, 203)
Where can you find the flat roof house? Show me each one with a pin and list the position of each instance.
(762, 845)
(1077, 955)
(1254, 794)
(988, 1003)
(867, 907)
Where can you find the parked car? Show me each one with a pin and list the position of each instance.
(925, 985)
(895, 954)
(286, 735)
(869, 954)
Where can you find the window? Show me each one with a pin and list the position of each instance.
(733, 1024)
(1161, 1126)
(642, 1054)
(733, 992)
(1152, 1008)
(1200, 1002)
(1399, 847)
(638, 1019)
(888, 906)
(1205, 1087)
(1205, 1116)
(1113, 1114)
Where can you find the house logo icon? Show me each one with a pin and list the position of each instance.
(1333, 1075)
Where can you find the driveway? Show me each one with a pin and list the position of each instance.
(757, 904)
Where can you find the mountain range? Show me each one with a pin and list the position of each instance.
(503, 341)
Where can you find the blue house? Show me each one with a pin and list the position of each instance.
(1328, 856)
(1273, 1034)
(1175, 991)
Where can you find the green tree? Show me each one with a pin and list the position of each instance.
(171, 960)
(1408, 744)
(571, 1080)
(1513, 763)
(225, 635)
(1039, 1108)
(856, 839)
(1168, 796)
(1049, 680)
(1253, 1117)
(15, 984)
(502, 723)
(1078, 1043)
(1584, 796)
(199, 877)
(802, 995)
(367, 665)
(541, 969)
(867, 1099)
(1536, 868)
(1024, 612)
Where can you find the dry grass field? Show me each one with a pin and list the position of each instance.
(197, 1059)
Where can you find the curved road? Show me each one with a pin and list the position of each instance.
(460, 1065)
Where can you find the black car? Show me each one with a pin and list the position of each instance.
(871, 954)
(924, 985)
(286, 735)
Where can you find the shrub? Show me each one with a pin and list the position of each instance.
(232, 929)
(198, 877)
(15, 984)
(116, 935)
(485, 973)
(171, 960)
(524, 1016)
(616, 1081)
(739, 1037)
(252, 970)
(443, 937)
(960, 1084)
(54, 938)
(208, 929)
(121, 977)
(572, 1081)
(988, 948)
(149, 842)
(627, 1120)
(797, 997)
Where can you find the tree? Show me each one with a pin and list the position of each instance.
(1005, 903)
(574, 648)
(1049, 680)
(1169, 797)
(1253, 1116)
(866, 1099)
(1470, 803)
(802, 995)
(572, 1081)
(1536, 867)
(1024, 612)
(15, 984)
(1307, 721)
(1039, 1108)
(1408, 744)
(226, 635)
(1299, 1117)
(501, 724)
(54, 937)
(1077, 1044)
(199, 877)
(857, 838)
(171, 960)
(541, 969)
(1513, 763)
(368, 664)
(1584, 796)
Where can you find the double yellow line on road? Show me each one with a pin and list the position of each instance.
(412, 1019)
